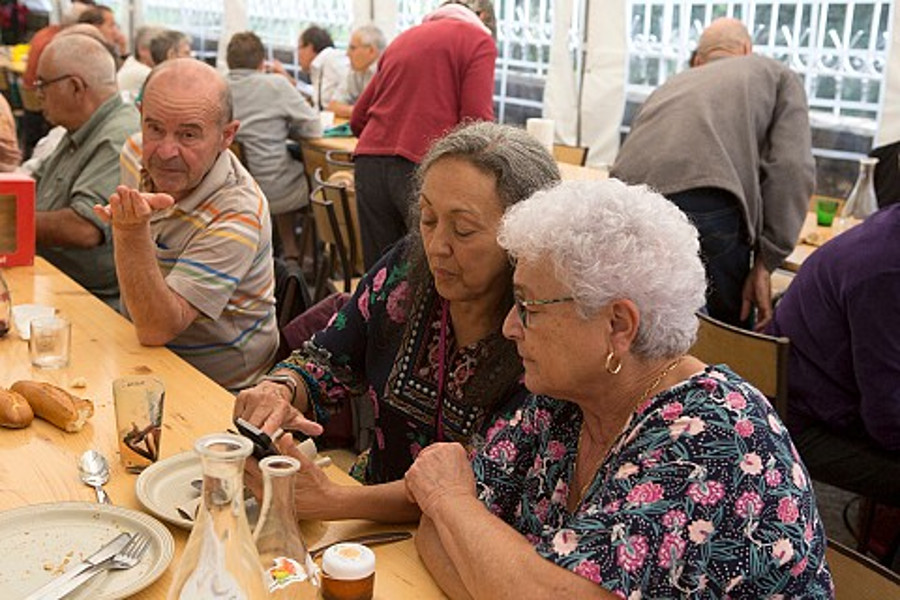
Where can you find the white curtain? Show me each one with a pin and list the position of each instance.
(234, 20)
(603, 88)
(889, 127)
(561, 88)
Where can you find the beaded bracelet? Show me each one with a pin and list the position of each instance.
(313, 391)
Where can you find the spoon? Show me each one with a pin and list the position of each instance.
(94, 471)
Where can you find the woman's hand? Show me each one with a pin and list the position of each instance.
(313, 490)
(441, 472)
(268, 405)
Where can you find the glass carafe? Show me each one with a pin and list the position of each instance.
(220, 560)
(292, 575)
(862, 201)
(5, 307)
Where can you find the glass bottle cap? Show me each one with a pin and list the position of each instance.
(348, 561)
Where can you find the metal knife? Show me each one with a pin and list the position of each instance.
(51, 590)
(369, 539)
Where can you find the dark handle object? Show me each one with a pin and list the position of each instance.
(370, 539)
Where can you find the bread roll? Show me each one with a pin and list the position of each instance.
(15, 412)
(55, 405)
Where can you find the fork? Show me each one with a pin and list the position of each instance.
(128, 557)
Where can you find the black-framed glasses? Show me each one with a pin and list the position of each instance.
(522, 306)
(41, 84)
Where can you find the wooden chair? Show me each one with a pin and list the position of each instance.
(574, 155)
(335, 225)
(859, 578)
(760, 359)
(313, 160)
(237, 148)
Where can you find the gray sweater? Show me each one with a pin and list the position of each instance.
(271, 111)
(740, 124)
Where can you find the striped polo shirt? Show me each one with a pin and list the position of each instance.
(214, 249)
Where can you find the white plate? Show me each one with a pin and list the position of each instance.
(40, 541)
(167, 483)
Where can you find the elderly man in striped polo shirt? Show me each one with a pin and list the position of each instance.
(193, 244)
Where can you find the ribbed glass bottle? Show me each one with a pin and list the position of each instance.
(220, 560)
(862, 200)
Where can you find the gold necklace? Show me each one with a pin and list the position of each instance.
(665, 371)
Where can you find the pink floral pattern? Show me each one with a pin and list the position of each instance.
(689, 503)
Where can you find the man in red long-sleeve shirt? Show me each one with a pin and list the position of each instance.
(430, 78)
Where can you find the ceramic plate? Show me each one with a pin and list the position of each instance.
(41, 541)
(167, 483)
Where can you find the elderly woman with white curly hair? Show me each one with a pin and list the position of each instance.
(633, 470)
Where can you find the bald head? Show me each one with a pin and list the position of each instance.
(186, 123)
(723, 37)
(76, 53)
(192, 77)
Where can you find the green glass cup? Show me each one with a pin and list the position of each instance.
(825, 211)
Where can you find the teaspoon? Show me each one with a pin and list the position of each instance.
(94, 471)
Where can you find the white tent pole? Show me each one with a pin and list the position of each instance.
(889, 125)
(603, 91)
(560, 91)
(234, 20)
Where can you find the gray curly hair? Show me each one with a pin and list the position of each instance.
(519, 164)
(607, 240)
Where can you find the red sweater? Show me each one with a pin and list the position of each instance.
(429, 79)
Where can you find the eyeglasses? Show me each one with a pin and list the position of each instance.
(522, 306)
(41, 84)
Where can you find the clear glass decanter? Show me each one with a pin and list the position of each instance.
(220, 560)
(292, 574)
(862, 201)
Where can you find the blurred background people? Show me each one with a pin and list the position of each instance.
(430, 78)
(137, 66)
(271, 111)
(103, 18)
(366, 45)
(729, 142)
(325, 65)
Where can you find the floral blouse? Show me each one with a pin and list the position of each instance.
(703, 495)
(383, 350)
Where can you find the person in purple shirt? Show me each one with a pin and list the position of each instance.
(842, 315)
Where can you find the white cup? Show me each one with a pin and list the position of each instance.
(50, 342)
(326, 117)
(542, 130)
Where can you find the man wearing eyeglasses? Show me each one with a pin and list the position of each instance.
(366, 45)
(76, 81)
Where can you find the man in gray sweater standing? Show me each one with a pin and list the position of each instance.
(729, 142)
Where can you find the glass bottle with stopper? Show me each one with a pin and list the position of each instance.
(862, 201)
(220, 560)
(292, 574)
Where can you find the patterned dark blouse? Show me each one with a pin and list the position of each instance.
(380, 349)
(703, 495)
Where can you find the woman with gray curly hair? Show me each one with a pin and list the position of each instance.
(421, 337)
(633, 469)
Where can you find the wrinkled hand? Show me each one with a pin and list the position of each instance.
(268, 406)
(758, 292)
(131, 209)
(311, 484)
(441, 472)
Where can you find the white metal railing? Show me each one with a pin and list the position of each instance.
(839, 48)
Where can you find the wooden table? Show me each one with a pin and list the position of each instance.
(39, 462)
(567, 170)
(811, 232)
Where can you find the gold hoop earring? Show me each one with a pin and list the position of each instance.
(609, 368)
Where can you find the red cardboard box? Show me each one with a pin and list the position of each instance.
(16, 219)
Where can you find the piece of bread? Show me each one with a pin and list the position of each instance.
(55, 405)
(15, 412)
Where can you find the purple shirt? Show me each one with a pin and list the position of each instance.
(842, 315)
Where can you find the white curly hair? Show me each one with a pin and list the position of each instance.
(607, 240)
